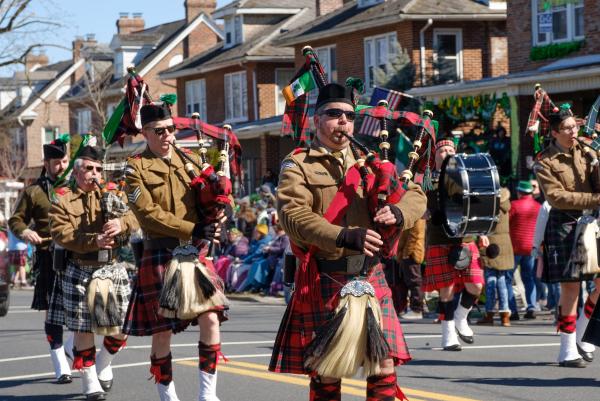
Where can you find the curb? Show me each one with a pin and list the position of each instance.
(258, 299)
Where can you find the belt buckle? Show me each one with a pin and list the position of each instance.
(103, 256)
(354, 263)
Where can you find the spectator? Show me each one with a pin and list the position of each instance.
(270, 179)
(263, 270)
(246, 219)
(259, 240)
(498, 259)
(236, 247)
(523, 215)
(17, 259)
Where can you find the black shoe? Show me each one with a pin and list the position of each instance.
(466, 339)
(514, 317)
(588, 356)
(95, 396)
(573, 363)
(64, 379)
(106, 384)
(455, 347)
(530, 314)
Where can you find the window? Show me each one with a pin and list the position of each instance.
(195, 98)
(326, 56)
(234, 30)
(84, 121)
(283, 76)
(49, 134)
(447, 56)
(123, 60)
(561, 22)
(379, 50)
(236, 97)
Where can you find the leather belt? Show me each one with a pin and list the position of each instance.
(161, 243)
(351, 264)
(88, 257)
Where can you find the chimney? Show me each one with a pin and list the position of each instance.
(201, 38)
(35, 61)
(326, 6)
(127, 24)
(80, 42)
(193, 8)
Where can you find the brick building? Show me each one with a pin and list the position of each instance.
(151, 50)
(555, 43)
(238, 81)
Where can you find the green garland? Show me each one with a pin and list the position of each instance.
(480, 107)
(555, 50)
(548, 4)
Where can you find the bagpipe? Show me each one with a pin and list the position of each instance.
(353, 338)
(101, 292)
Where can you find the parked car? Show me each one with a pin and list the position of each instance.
(4, 275)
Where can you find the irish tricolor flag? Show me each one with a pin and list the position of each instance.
(301, 85)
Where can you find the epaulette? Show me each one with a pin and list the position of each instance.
(299, 150)
(136, 156)
(62, 191)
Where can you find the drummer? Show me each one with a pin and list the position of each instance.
(445, 271)
(570, 183)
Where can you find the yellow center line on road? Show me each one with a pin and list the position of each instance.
(349, 386)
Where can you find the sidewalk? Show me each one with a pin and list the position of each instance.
(257, 298)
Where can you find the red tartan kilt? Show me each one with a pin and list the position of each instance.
(142, 317)
(17, 258)
(297, 327)
(440, 274)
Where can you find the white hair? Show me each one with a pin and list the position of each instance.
(78, 164)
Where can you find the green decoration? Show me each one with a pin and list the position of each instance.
(64, 138)
(356, 83)
(169, 98)
(555, 50)
(108, 134)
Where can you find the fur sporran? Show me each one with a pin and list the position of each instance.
(352, 339)
(102, 303)
(585, 250)
(188, 286)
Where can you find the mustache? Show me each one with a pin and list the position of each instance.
(342, 129)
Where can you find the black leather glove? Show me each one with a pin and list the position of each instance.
(397, 214)
(204, 231)
(352, 238)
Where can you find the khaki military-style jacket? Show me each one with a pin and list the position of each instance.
(76, 220)
(567, 178)
(501, 237)
(33, 205)
(412, 243)
(308, 182)
(160, 195)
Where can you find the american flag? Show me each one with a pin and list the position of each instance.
(370, 125)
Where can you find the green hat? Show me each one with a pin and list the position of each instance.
(525, 187)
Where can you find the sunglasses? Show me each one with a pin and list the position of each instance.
(162, 130)
(92, 168)
(337, 113)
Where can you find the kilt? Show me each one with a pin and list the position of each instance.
(298, 327)
(17, 258)
(559, 238)
(75, 281)
(42, 268)
(142, 317)
(440, 274)
(56, 312)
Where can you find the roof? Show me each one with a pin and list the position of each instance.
(259, 48)
(154, 35)
(252, 6)
(351, 18)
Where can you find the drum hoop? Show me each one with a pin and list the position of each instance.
(493, 169)
(462, 169)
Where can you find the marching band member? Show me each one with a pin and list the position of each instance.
(161, 197)
(33, 206)
(442, 275)
(571, 184)
(77, 225)
(308, 184)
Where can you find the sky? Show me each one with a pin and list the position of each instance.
(81, 17)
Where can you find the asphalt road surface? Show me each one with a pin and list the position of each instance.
(516, 363)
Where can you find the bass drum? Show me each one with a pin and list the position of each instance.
(469, 195)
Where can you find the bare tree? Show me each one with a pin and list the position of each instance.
(13, 156)
(24, 27)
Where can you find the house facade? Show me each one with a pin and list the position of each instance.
(239, 81)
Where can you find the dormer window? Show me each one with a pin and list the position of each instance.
(233, 30)
(122, 60)
(367, 3)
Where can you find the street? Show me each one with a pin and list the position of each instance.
(516, 363)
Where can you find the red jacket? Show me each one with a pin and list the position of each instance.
(522, 216)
